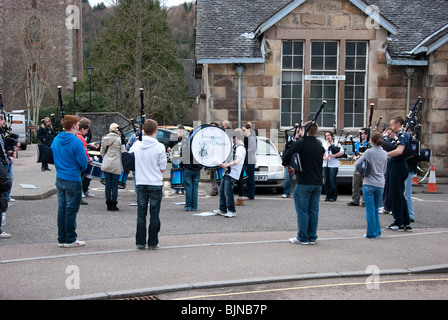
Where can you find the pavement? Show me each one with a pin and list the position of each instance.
(113, 268)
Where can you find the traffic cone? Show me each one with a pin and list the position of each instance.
(415, 182)
(432, 185)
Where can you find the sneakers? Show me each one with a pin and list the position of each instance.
(285, 196)
(5, 235)
(153, 247)
(384, 211)
(230, 214)
(89, 194)
(395, 227)
(296, 241)
(75, 244)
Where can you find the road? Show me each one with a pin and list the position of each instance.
(212, 255)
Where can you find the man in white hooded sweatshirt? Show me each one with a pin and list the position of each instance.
(150, 163)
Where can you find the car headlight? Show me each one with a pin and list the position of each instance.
(276, 168)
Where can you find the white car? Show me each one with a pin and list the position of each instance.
(269, 172)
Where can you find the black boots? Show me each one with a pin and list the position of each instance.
(112, 205)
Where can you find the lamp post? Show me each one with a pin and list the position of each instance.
(89, 71)
(75, 79)
(117, 83)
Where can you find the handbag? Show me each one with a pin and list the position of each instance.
(44, 154)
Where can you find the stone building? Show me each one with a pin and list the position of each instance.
(53, 26)
(274, 62)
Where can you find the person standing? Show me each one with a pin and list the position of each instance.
(192, 174)
(150, 163)
(356, 180)
(84, 126)
(111, 149)
(331, 167)
(373, 183)
(308, 183)
(251, 160)
(5, 185)
(69, 160)
(174, 147)
(398, 172)
(226, 200)
(45, 133)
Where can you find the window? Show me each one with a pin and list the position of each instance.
(355, 84)
(292, 83)
(324, 61)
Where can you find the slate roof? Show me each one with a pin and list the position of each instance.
(224, 27)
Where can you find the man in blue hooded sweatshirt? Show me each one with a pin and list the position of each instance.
(70, 160)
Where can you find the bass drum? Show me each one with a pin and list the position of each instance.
(210, 145)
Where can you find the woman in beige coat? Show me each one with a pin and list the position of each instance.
(111, 149)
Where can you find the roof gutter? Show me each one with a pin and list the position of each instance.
(405, 62)
(231, 60)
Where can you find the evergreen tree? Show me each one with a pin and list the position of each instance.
(137, 47)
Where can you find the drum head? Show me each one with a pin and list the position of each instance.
(210, 145)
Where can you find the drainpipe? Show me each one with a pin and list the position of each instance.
(239, 71)
(409, 73)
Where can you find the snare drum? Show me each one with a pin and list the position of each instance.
(177, 178)
(121, 180)
(219, 172)
(94, 171)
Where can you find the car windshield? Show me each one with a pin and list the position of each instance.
(265, 147)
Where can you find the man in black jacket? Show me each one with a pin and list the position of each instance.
(308, 183)
(5, 185)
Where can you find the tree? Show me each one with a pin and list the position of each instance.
(137, 47)
(35, 61)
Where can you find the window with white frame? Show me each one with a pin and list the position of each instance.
(292, 83)
(323, 63)
(355, 84)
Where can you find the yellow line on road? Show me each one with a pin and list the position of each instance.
(306, 287)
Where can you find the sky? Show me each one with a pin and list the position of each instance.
(169, 3)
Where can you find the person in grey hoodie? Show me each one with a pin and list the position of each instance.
(150, 163)
(111, 149)
(373, 183)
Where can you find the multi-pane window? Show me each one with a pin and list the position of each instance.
(292, 83)
(355, 84)
(325, 82)
(324, 61)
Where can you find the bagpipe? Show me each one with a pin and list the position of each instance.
(295, 161)
(411, 126)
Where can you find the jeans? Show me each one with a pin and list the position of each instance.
(111, 186)
(288, 180)
(10, 171)
(191, 184)
(408, 194)
(330, 186)
(306, 201)
(153, 195)
(69, 199)
(373, 198)
(250, 170)
(226, 200)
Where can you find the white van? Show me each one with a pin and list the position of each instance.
(18, 126)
